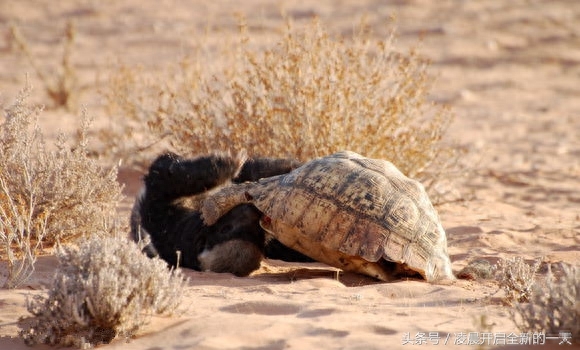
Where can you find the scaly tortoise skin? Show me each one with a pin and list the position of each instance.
(348, 211)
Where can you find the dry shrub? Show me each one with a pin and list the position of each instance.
(516, 278)
(102, 289)
(310, 95)
(61, 85)
(553, 307)
(132, 103)
(47, 194)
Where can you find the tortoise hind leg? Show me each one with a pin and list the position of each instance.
(219, 203)
(215, 206)
(257, 168)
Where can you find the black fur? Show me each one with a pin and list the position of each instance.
(160, 215)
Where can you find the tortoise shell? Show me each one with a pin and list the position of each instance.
(348, 211)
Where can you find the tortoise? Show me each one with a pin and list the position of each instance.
(355, 213)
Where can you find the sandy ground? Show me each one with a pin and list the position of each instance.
(509, 69)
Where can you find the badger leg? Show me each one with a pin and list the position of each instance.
(171, 176)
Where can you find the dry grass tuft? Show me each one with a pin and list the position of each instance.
(553, 307)
(47, 194)
(61, 85)
(133, 98)
(516, 278)
(104, 288)
(310, 95)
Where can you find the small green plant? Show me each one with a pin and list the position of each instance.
(102, 289)
(47, 194)
(516, 278)
(553, 307)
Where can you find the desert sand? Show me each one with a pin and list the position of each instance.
(510, 70)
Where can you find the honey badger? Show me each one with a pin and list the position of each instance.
(235, 243)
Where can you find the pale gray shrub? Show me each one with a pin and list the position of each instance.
(516, 278)
(102, 289)
(47, 194)
(553, 307)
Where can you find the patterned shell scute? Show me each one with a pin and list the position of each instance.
(380, 211)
